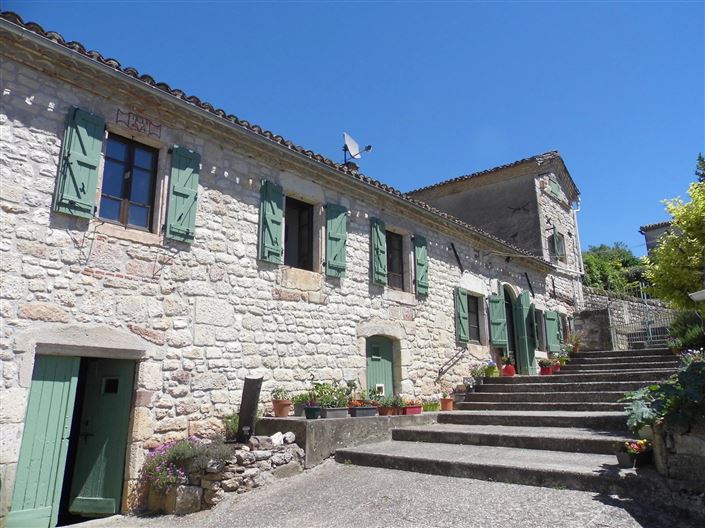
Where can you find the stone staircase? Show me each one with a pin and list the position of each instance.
(555, 431)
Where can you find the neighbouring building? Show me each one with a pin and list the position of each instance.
(652, 233)
(156, 250)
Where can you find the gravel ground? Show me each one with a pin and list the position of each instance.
(342, 496)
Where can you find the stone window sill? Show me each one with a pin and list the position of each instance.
(300, 279)
(402, 297)
(126, 233)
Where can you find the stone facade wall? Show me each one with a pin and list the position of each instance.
(625, 309)
(594, 325)
(201, 317)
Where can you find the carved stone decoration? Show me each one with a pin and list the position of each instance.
(138, 123)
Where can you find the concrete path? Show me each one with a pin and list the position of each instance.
(345, 496)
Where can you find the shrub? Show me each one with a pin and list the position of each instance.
(687, 328)
(231, 422)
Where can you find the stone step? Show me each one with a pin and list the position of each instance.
(616, 366)
(602, 420)
(562, 377)
(627, 374)
(557, 469)
(539, 406)
(551, 396)
(574, 440)
(623, 353)
(566, 386)
(632, 360)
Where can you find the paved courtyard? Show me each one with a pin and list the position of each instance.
(335, 495)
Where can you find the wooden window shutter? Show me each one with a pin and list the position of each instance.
(80, 158)
(498, 320)
(421, 258)
(336, 238)
(462, 323)
(555, 187)
(183, 194)
(379, 252)
(534, 331)
(552, 330)
(270, 222)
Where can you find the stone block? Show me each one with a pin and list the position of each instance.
(277, 439)
(262, 479)
(260, 442)
(287, 470)
(181, 500)
(214, 312)
(231, 484)
(12, 405)
(43, 311)
(153, 336)
(299, 279)
(213, 497)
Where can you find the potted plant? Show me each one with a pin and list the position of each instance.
(362, 406)
(459, 392)
(634, 453)
(575, 340)
(675, 344)
(491, 371)
(563, 358)
(508, 368)
(281, 401)
(300, 401)
(545, 367)
(312, 410)
(478, 373)
(431, 405)
(412, 406)
(555, 364)
(446, 400)
(333, 400)
(391, 406)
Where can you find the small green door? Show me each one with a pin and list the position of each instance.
(96, 486)
(45, 440)
(380, 365)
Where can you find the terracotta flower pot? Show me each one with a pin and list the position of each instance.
(386, 411)
(446, 404)
(508, 370)
(281, 408)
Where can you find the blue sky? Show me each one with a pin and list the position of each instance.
(440, 89)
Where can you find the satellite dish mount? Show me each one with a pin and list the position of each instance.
(351, 150)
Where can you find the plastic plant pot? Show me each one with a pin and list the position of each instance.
(545, 371)
(363, 412)
(334, 412)
(508, 370)
(312, 412)
(412, 409)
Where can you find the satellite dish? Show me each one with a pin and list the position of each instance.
(352, 149)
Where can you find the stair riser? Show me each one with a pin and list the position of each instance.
(617, 366)
(607, 423)
(528, 477)
(600, 446)
(565, 387)
(601, 397)
(519, 406)
(623, 353)
(631, 361)
(562, 377)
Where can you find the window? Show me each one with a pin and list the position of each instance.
(129, 176)
(395, 260)
(474, 317)
(540, 329)
(554, 186)
(556, 245)
(298, 234)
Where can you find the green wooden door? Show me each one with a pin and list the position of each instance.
(380, 364)
(96, 487)
(45, 440)
(521, 316)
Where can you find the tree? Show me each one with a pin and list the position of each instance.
(677, 265)
(700, 169)
(613, 268)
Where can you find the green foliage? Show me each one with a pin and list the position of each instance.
(301, 398)
(330, 396)
(613, 268)
(688, 330)
(700, 169)
(392, 401)
(677, 266)
(431, 405)
(205, 454)
(677, 402)
(280, 393)
(231, 423)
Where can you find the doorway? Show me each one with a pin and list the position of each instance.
(72, 455)
(380, 365)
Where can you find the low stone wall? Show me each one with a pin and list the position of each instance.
(680, 458)
(262, 460)
(321, 438)
(624, 309)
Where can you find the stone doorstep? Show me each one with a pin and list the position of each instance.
(557, 469)
(570, 439)
(539, 406)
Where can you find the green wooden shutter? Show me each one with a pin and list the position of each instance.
(498, 320)
(560, 328)
(183, 194)
(379, 252)
(555, 187)
(552, 342)
(421, 256)
(462, 322)
(336, 237)
(80, 158)
(45, 440)
(270, 222)
(533, 331)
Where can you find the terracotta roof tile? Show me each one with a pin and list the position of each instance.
(77, 47)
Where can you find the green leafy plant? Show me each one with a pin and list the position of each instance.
(231, 423)
(431, 405)
(280, 393)
(688, 330)
(329, 395)
(301, 399)
(545, 362)
(478, 371)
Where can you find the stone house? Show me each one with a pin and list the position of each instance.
(652, 233)
(156, 250)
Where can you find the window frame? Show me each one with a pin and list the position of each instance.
(478, 303)
(129, 167)
(553, 244)
(313, 229)
(389, 236)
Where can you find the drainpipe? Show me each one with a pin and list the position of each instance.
(579, 253)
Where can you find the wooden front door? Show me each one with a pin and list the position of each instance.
(525, 352)
(380, 365)
(45, 440)
(96, 485)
